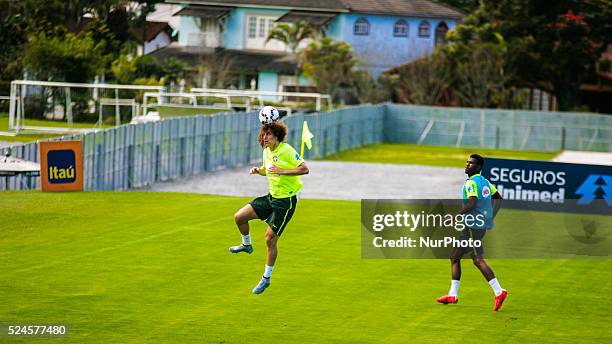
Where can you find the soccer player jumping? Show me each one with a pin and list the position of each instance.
(283, 166)
(479, 198)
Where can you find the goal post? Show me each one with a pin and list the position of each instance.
(67, 103)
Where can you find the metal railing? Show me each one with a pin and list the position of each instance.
(259, 95)
(192, 97)
(21, 88)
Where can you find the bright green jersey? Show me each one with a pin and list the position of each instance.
(284, 157)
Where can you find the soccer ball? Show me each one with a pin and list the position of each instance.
(268, 114)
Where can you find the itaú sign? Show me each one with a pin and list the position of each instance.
(61, 166)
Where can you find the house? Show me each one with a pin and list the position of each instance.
(153, 36)
(230, 36)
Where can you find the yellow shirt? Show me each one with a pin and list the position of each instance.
(284, 157)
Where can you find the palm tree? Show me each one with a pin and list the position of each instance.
(292, 34)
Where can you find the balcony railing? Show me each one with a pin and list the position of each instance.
(204, 39)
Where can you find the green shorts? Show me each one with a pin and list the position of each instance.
(275, 211)
(474, 234)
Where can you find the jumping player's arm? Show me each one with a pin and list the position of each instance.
(258, 170)
(297, 171)
(261, 170)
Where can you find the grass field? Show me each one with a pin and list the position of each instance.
(154, 268)
(429, 155)
(4, 123)
(29, 137)
(167, 111)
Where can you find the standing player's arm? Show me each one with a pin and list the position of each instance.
(296, 171)
(497, 201)
(258, 170)
(469, 206)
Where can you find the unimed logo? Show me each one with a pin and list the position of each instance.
(595, 186)
(62, 166)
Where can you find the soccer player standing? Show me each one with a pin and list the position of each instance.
(283, 167)
(480, 198)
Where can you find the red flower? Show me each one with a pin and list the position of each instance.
(577, 18)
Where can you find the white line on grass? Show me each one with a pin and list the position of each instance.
(110, 248)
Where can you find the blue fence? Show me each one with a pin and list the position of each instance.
(137, 155)
(503, 129)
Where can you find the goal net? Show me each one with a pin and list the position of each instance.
(46, 106)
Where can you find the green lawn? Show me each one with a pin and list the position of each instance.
(154, 268)
(168, 111)
(29, 137)
(429, 155)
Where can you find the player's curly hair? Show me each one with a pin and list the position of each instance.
(278, 129)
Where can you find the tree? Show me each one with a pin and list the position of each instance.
(13, 37)
(218, 70)
(480, 75)
(101, 33)
(292, 34)
(127, 69)
(554, 46)
(173, 70)
(144, 8)
(109, 23)
(72, 58)
(366, 89)
(424, 81)
(67, 13)
(329, 64)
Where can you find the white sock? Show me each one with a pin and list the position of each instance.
(268, 271)
(246, 239)
(497, 289)
(454, 290)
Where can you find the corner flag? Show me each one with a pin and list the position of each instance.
(306, 138)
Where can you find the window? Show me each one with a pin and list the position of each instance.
(271, 23)
(441, 31)
(252, 27)
(400, 29)
(256, 32)
(262, 27)
(362, 27)
(424, 29)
